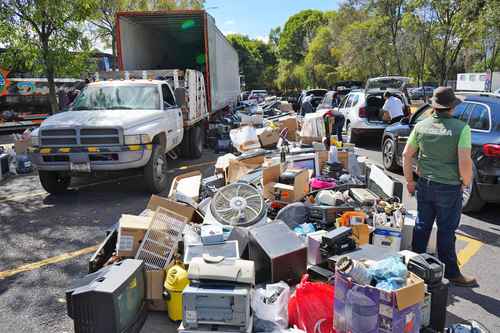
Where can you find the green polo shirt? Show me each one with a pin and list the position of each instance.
(437, 140)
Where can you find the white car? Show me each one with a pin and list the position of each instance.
(361, 108)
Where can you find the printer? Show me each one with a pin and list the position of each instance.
(219, 293)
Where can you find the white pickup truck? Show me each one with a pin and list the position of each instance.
(122, 125)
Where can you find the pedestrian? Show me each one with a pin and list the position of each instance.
(306, 106)
(392, 111)
(442, 145)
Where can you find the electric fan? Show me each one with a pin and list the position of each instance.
(238, 204)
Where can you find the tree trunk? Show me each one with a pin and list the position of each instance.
(113, 49)
(49, 67)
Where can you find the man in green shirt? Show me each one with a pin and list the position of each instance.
(442, 145)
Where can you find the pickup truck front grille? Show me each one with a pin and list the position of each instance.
(80, 136)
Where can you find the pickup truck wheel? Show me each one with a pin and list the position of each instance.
(389, 155)
(155, 172)
(54, 182)
(197, 140)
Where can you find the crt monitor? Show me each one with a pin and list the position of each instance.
(109, 300)
(305, 161)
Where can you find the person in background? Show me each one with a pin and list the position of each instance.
(306, 106)
(444, 162)
(392, 111)
(334, 123)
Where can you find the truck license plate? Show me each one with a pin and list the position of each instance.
(80, 167)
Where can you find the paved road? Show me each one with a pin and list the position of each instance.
(481, 303)
(35, 226)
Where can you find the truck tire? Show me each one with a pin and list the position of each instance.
(196, 141)
(155, 172)
(54, 182)
(184, 147)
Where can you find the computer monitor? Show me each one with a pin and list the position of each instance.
(305, 161)
(110, 300)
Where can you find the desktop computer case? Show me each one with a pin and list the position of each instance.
(278, 253)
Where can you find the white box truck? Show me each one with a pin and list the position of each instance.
(176, 69)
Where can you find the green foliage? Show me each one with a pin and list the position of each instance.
(298, 32)
(257, 61)
(46, 35)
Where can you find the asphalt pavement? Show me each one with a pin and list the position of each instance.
(36, 226)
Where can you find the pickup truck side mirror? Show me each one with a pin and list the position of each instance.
(180, 96)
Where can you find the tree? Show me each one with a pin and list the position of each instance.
(391, 12)
(49, 29)
(320, 62)
(298, 32)
(257, 61)
(104, 19)
(455, 25)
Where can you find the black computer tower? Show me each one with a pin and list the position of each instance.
(279, 254)
(439, 301)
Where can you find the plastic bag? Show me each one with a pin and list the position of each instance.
(270, 307)
(389, 273)
(311, 307)
(244, 138)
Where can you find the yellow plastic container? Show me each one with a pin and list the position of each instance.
(175, 282)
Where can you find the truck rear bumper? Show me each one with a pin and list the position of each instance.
(100, 158)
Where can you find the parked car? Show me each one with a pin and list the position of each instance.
(361, 108)
(482, 113)
(421, 92)
(258, 95)
(314, 92)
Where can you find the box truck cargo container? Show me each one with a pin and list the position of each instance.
(180, 39)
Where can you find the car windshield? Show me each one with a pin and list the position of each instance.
(118, 97)
(385, 83)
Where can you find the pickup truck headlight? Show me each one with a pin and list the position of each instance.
(137, 139)
(35, 141)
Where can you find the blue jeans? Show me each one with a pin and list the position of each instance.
(442, 203)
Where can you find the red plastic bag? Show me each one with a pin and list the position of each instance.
(311, 307)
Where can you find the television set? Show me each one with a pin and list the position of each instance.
(305, 161)
(111, 300)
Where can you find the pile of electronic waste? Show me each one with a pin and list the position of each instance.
(222, 253)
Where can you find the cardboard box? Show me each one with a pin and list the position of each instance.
(180, 208)
(289, 122)
(361, 233)
(186, 187)
(366, 309)
(21, 147)
(313, 244)
(240, 167)
(308, 140)
(268, 137)
(387, 237)
(154, 284)
(295, 192)
(286, 107)
(223, 163)
(156, 305)
(130, 234)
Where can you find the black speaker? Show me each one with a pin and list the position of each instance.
(439, 301)
(279, 254)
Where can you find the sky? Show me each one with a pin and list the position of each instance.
(256, 18)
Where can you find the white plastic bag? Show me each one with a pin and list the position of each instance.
(244, 138)
(270, 316)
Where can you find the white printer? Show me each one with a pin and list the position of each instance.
(219, 293)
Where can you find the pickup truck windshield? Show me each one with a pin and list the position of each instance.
(118, 97)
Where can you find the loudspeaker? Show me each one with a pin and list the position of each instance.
(279, 254)
(439, 301)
